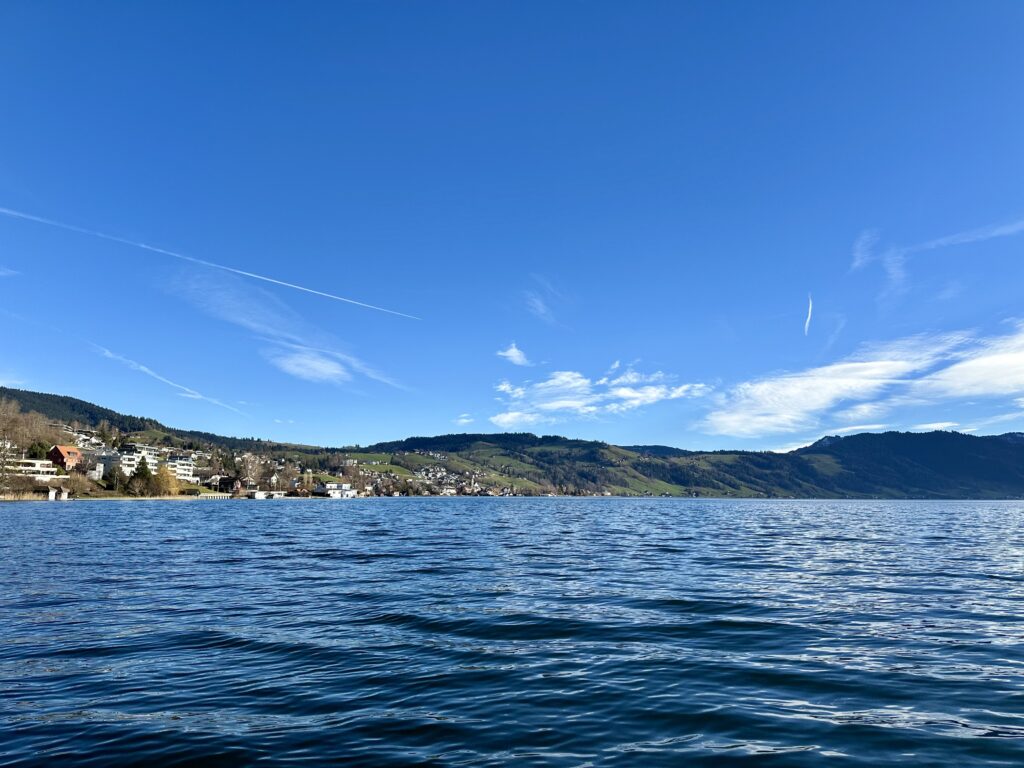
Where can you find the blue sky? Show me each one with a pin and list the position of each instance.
(605, 219)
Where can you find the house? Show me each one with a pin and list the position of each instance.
(132, 455)
(335, 490)
(65, 456)
(99, 461)
(37, 469)
(226, 484)
(183, 467)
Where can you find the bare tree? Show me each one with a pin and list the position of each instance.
(249, 467)
(10, 413)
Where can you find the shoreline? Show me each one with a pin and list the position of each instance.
(212, 497)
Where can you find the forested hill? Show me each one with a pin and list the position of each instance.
(887, 465)
(71, 410)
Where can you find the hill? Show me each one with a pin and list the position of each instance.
(890, 465)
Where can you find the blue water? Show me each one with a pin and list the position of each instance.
(512, 632)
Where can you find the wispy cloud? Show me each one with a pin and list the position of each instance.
(539, 299)
(914, 372)
(183, 391)
(463, 419)
(570, 394)
(538, 307)
(857, 428)
(308, 364)
(810, 311)
(201, 262)
(950, 291)
(793, 402)
(514, 355)
(507, 388)
(837, 331)
(864, 248)
(936, 425)
(5, 272)
(863, 411)
(289, 342)
(894, 258)
(988, 367)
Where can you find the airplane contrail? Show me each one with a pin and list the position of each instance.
(163, 251)
(810, 310)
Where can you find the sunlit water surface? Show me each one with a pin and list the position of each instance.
(554, 632)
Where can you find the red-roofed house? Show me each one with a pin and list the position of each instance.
(65, 456)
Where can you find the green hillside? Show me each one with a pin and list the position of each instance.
(888, 465)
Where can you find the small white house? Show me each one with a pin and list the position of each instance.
(37, 469)
(335, 490)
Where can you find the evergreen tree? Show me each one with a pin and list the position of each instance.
(141, 482)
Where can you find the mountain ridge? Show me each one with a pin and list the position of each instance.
(867, 465)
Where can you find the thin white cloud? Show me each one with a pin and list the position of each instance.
(183, 391)
(993, 366)
(794, 402)
(810, 311)
(514, 355)
(857, 428)
(840, 325)
(936, 425)
(950, 291)
(463, 419)
(971, 236)
(309, 364)
(914, 372)
(863, 248)
(863, 411)
(193, 260)
(507, 388)
(540, 299)
(570, 394)
(538, 307)
(5, 272)
(894, 259)
(516, 419)
(789, 448)
(290, 344)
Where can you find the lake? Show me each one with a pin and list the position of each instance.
(493, 632)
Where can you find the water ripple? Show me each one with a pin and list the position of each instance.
(554, 632)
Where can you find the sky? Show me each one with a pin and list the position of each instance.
(699, 224)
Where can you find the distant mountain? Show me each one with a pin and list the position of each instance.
(891, 465)
(922, 465)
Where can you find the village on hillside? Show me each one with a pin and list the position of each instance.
(49, 460)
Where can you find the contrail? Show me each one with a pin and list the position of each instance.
(184, 391)
(810, 310)
(201, 262)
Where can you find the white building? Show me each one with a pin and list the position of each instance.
(335, 490)
(37, 469)
(183, 468)
(132, 455)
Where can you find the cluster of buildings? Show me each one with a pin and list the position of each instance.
(95, 463)
(255, 476)
(448, 482)
(85, 452)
